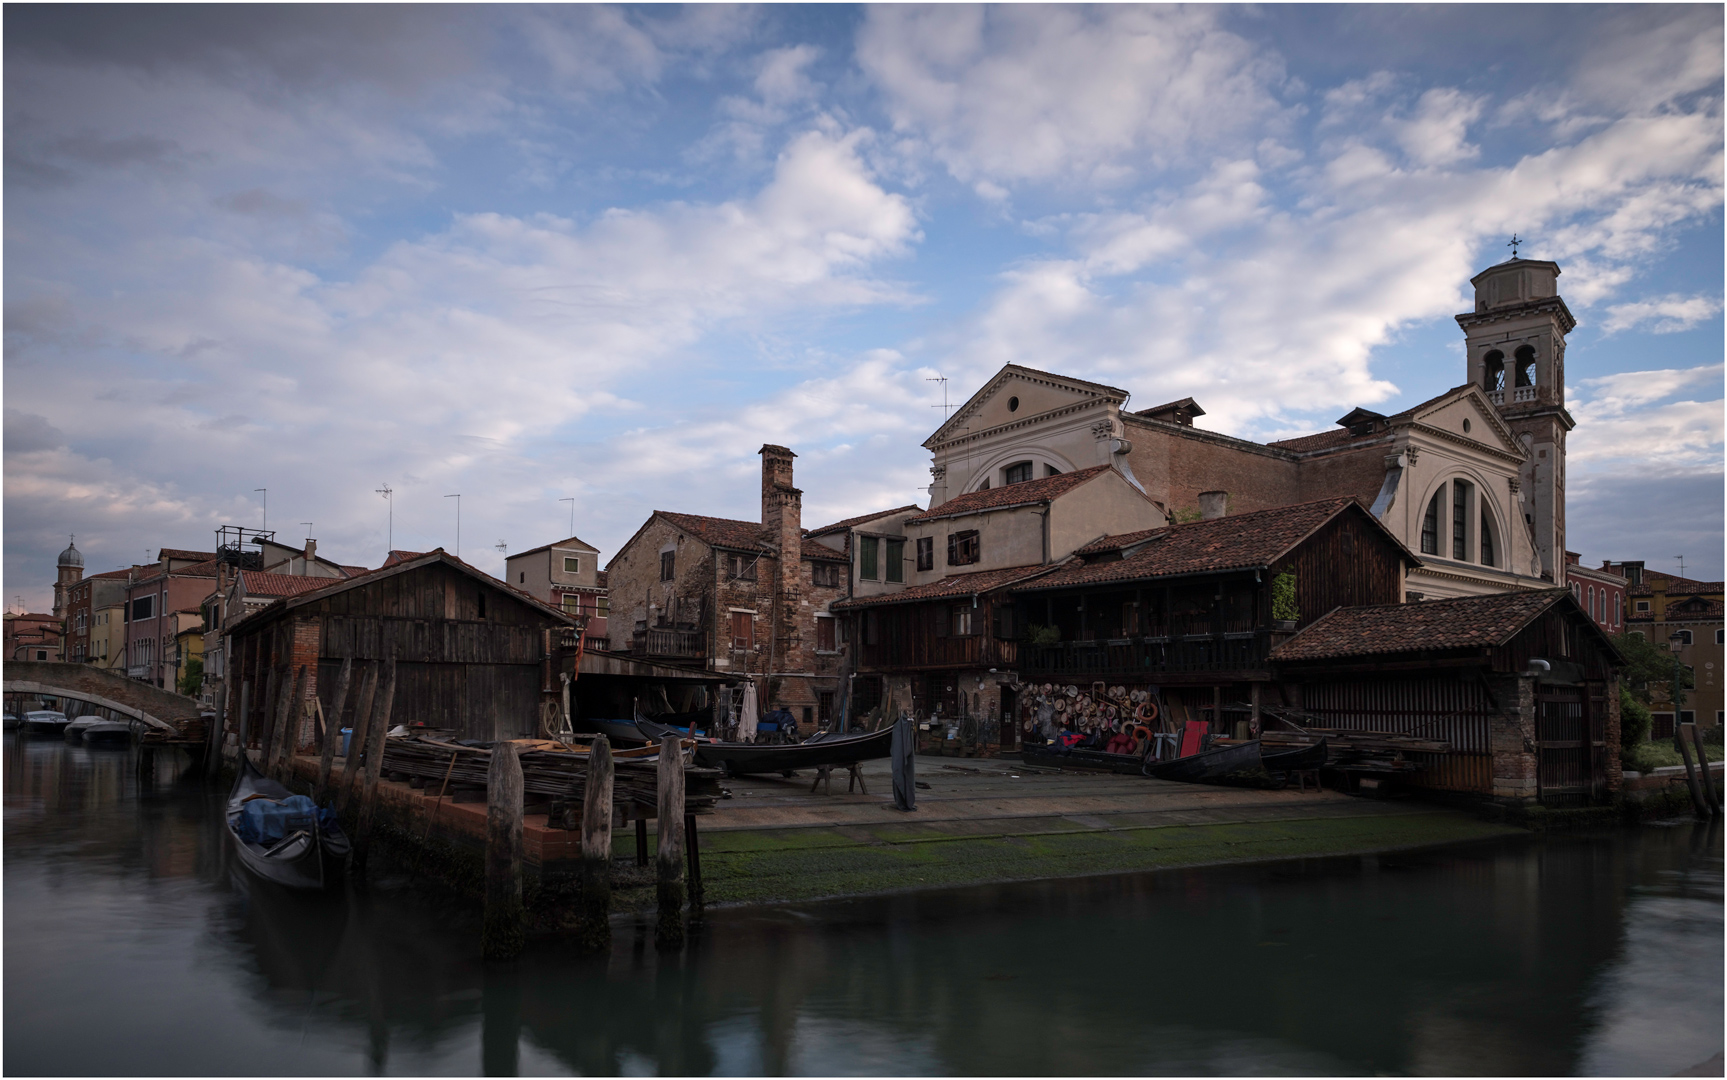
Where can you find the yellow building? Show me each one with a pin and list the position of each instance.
(1665, 606)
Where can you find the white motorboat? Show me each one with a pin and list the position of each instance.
(108, 733)
(45, 722)
(76, 729)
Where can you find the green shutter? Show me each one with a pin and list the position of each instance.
(867, 558)
(895, 560)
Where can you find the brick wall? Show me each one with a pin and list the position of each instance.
(1511, 733)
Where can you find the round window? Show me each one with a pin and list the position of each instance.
(1466, 427)
(1012, 404)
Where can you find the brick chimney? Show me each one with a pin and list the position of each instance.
(311, 555)
(782, 520)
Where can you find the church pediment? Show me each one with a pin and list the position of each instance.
(1018, 393)
(1466, 413)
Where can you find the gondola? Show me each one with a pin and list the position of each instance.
(311, 854)
(107, 733)
(1057, 757)
(617, 731)
(744, 759)
(1295, 757)
(1208, 764)
(693, 724)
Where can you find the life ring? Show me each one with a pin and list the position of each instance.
(1140, 731)
(1147, 712)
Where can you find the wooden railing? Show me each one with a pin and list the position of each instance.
(669, 642)
(1148, 655)
(928, 651)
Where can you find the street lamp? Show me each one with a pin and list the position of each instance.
(1677, 637)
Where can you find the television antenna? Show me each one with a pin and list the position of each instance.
(502, 547)
(458, 499)
(1681, 559)
(390, 535)
(308, 526)
(572, 501)
(265, 526)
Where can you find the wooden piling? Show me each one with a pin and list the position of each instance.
(1709, 793)
(380, 723)
(333, 730)
(501, 932)
(669, 854)
(357, 739)
(242, 733)
(1697, 803)
(693, 860)
(594, 928)
(266, 722)
(281, 746)
(641, 838)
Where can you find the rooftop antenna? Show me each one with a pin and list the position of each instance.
(1514, 244)
(502, 547)
(944, 406)
(308, 526)
(390, 536)
(572, 503)
(1681, 559)
(458, 499)
(265, 527)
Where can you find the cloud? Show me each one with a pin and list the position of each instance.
(28, 433)
(1663, 315)
(1626, 417)
(1030, 93)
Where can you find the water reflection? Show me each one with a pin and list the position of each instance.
(1575, 953)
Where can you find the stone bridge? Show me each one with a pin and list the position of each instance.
(156, 708)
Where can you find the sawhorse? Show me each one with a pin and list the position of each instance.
(824, 775)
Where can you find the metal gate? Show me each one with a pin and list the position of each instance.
(1571, 743)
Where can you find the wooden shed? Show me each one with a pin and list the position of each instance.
(1521, 686)
(472, 654)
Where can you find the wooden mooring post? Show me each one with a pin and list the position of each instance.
(594, 927)
(379, 724)
(501, 932)
(693, 859)
(357, 741)
(1710, 795)
(669, 856)
(333, 730)
(1679, 743)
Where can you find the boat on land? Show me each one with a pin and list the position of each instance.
(108, 733)
(618, 731)
(45, 722)
(282, 837)
(1296, 757)
(823, 748)
(1214, 764)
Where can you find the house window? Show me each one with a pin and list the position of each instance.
(603, 606)
(825, 705)
(962, 621)
(868, 549)
(572, 564)
(743, 630)
(572, 603)
(1460, 492)
(1430, 526)
(825, 634)
(1684, 637)
(668, 565)
(825, 574)
(1051, 470)
(962, 548)
(1487, 553)
(144, 607)
(741, 567)
(1619, 614)
(926, 553)
(1017, 473)
(1591, 607)
(521, 577)
(1642, 605)
(895, 561)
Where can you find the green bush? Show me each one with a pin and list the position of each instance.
(1633, 720)
(193, 677)
(1283, 597)
(1042, 635)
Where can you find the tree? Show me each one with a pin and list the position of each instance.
(192, 678)
(1634, 720)
(1647, 662)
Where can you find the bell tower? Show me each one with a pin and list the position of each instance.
(1516, 353)
(69, 571)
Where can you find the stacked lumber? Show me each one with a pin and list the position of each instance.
(1343, 740)
(548, 769)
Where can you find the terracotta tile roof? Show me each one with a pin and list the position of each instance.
(815, 549)
(399, 556)
(574, 541)
(600, 577)
(953, 585)
(181, 553)
(356, 571)
(262, 583)
(859, 520)
(1463, 623)
(1325, 440)
(722, 532)
(207, 568)
(108, 574)
(1673, 584)
(1690, 607)
(999, 498)
(1235, 542)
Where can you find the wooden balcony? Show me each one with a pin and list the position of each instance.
(916, 651)
(669, 643)
(1128, 657)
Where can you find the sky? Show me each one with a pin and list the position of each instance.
(585, 261)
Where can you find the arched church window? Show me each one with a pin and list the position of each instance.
(1526, 365)
(1017, 473)
(1460, 492)
(1487, 553)
(1494, 376)
(1430, 525)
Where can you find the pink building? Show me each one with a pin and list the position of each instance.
(1601, 592)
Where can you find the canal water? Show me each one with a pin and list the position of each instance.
(134, 946)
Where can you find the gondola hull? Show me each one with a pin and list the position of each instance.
(744, 759)
(313, 859)
(617, 731)
(1295, 757)
(1208, 764)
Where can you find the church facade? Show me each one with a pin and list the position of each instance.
(1472, 480)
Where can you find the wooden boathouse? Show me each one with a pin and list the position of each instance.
(474, 656)
(1521, 686)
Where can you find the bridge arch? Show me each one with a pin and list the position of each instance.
(147, 704)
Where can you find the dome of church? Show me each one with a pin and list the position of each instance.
(71, 556)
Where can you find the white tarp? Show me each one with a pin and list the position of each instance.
(747, 714)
